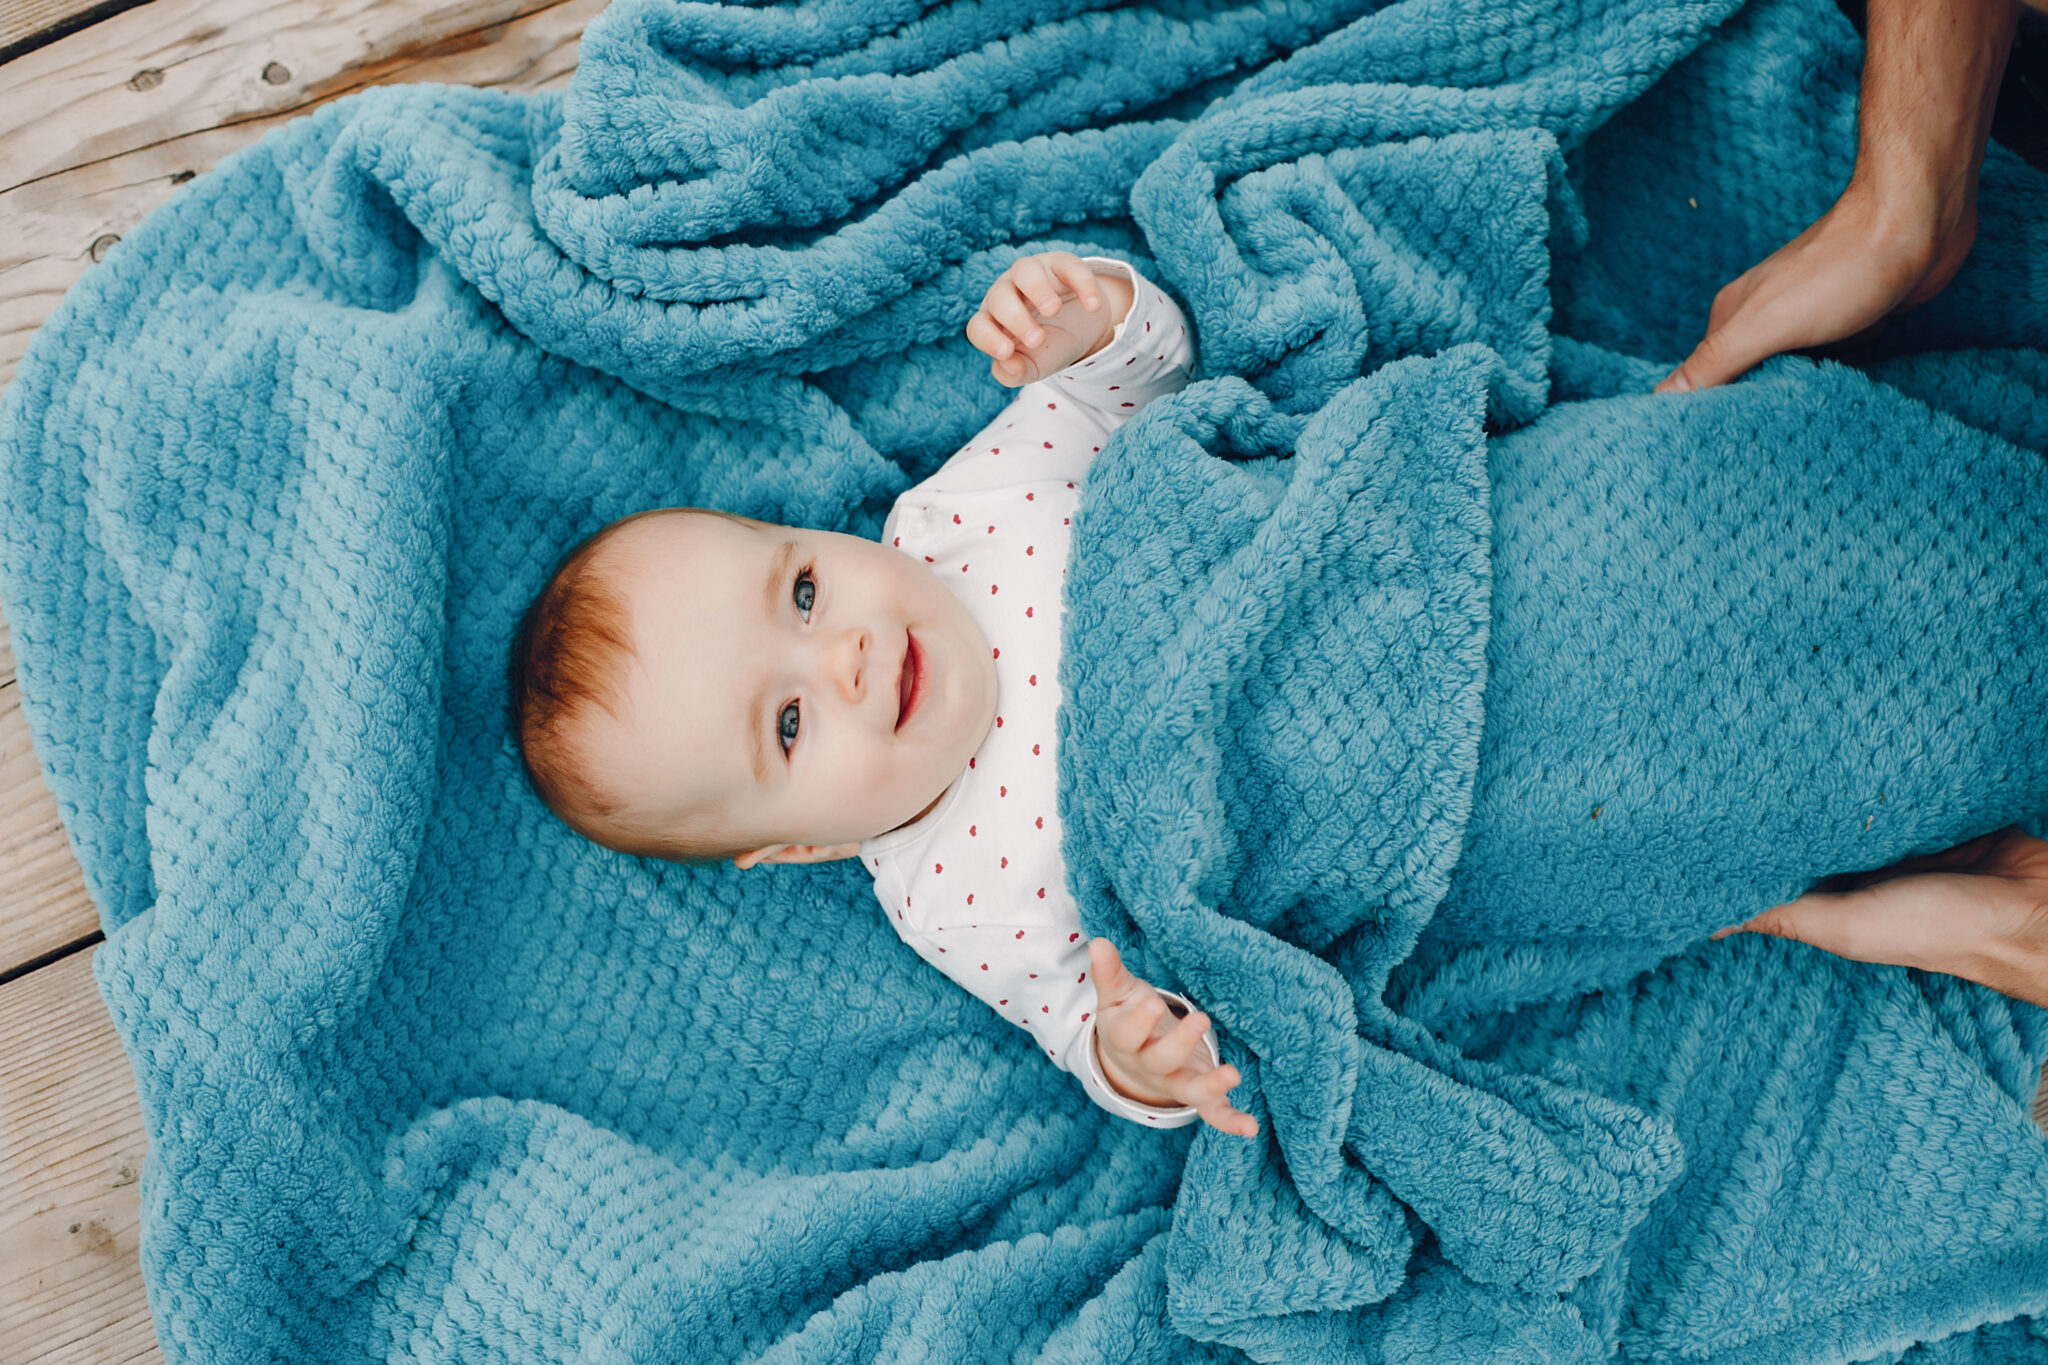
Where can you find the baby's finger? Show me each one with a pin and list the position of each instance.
(986, 336)
(1037, 284)
(1080, 277)
(1113, 981)
(1211, 1085)
(1170, 1051)
(1010, 310)
(1127, 1026)
(1221, 1116)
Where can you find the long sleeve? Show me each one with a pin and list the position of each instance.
(1034, 972)
(1054, 428)
(978, 887)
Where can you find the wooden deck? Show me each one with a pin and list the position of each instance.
(96, 128)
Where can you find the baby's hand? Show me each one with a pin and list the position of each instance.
(1024, 347)
(1152, 1058)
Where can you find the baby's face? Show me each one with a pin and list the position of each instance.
(808, 687)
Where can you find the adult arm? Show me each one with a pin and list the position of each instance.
(1901, 229)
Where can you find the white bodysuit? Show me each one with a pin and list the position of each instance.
(977, 886)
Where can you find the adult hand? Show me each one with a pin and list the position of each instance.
(1901, 229)
(1832, 283)
(1978, 911)
(1153, 1058)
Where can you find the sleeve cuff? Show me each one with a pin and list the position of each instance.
(1103, 1093)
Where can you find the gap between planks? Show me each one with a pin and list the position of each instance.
(87, 155)
(26, 25)
(90, 150)
(44, 908)
(96, 134)
(71, 1154)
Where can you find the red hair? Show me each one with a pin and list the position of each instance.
(568, 657)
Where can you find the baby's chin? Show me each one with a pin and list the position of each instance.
(922, 810)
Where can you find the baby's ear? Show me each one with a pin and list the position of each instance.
(796, 853)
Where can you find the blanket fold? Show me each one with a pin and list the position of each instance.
(1432, 690)
(1267, 779)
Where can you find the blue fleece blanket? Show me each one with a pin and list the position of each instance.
(1432, 690)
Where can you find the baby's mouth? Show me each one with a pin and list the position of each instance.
(907, 679)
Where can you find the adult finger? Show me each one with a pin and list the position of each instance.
(1913, 921)
(1734, 348)
(1823, 919)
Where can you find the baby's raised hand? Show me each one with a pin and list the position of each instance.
(1026, 329)
(1150, 1056)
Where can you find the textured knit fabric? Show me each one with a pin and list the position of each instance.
(976, 886)
(1430, 690)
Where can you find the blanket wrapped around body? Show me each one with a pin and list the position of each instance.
(1432, 691)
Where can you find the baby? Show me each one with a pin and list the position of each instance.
(694, 685)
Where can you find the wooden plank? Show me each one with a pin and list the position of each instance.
(71, 1151)
(183, 66)
(55, 220)
(6, 653)
(29, 24)
(21, 19)
(85, 156)
(43, 903)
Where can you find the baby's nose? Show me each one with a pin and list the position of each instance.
(856, 657)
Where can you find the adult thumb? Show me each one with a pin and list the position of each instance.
(1770, 922)
(1820, 919)
(1722, 355)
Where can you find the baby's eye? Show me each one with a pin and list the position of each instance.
(806, 591)
(788, 721)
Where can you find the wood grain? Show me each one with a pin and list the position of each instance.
(43, 902)
(183, 66)
(71, 1151)
(55, 219)
(26, 24)
(98, 155)
(96, 130)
